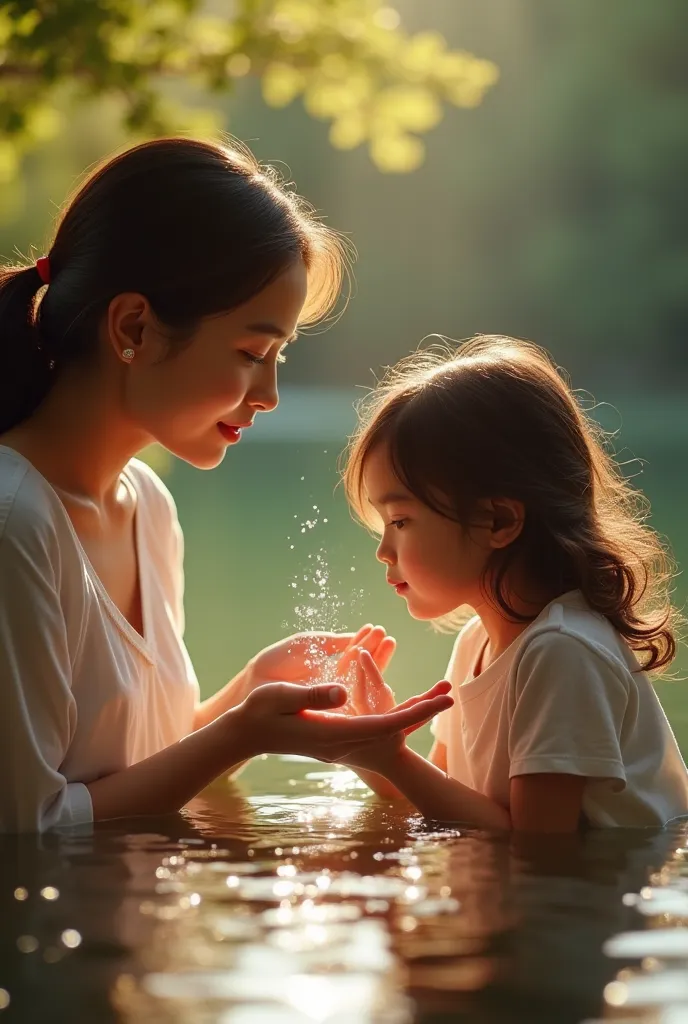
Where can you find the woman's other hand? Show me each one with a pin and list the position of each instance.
(308, 658)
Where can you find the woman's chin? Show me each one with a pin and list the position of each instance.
(200, 455)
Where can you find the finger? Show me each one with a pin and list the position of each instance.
(350, 653)
(442, 687)
(331, 643)
(378, 695)
(291, 698)
(412, 718)
(358, 693)
(385, 653)
(374, 639)
(366, 727)
(370, 668)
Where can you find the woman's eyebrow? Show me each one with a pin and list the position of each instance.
(269, 330)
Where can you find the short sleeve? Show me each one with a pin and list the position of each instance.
(37, 707)
(567, 708)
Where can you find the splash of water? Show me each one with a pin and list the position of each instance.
(318, 607)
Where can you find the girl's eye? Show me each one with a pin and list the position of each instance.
(398, 524)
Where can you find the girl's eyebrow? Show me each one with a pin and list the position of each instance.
(271, 331)
(391, 497)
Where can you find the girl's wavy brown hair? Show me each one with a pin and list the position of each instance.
(496, 419)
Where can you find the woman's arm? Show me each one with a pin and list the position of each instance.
(232, 694)
(276, 718)
(167, 780)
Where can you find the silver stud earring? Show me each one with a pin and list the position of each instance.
(128, 354)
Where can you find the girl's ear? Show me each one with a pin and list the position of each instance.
(508, 516)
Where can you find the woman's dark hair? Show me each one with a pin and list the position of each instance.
(198, 228)
(495, 419)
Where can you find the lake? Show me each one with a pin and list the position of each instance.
(292, 896)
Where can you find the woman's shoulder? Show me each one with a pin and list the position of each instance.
(149, 487)
(30, 511)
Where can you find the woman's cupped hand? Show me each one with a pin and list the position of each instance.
(310, 658)
(287, 718)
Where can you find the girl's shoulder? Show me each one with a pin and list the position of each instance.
(571, 637)
(467, 646)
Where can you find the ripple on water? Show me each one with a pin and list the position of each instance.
(658, 987)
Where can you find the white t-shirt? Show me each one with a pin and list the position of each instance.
(566, 696)
(82, 694)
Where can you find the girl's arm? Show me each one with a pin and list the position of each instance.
(429, 788)
(547, 802)
(385, 790)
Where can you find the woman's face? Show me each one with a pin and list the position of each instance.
(195, 401)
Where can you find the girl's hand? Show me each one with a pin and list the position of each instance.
(304, 657)
(376, 755)
(283, 718)
(372, 695)
(369, 694)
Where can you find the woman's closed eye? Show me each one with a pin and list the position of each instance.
(257, 360)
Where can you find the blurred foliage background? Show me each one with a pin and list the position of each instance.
(515, 167)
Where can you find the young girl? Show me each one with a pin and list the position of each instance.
(176, 277)
(491, 489)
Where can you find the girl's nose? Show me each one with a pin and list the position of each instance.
(385, 553)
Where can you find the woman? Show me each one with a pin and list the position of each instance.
(177, 275)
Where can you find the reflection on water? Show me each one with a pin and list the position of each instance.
(308, 902)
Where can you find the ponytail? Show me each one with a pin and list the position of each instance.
(25, 366)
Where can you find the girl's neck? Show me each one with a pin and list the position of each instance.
(501, 630)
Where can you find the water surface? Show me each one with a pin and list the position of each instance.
(295, 897)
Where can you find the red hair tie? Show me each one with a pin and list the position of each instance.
(43, 268)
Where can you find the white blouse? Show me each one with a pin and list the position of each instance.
(82, 694)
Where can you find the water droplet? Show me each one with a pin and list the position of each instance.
(4, 999)
(27, 943)
(50, 893)
(21, 893)
(71, 938)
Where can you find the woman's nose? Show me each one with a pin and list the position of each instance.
(264, 397)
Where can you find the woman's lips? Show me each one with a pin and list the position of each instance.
(232, 431)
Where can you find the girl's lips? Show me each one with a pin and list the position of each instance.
(400, 588)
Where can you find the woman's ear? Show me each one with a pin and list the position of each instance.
(508, 516)
(132, 328)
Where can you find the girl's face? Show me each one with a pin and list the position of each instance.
(432, 562)
(195, 401)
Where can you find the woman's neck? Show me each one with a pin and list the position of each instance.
(77, 438)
